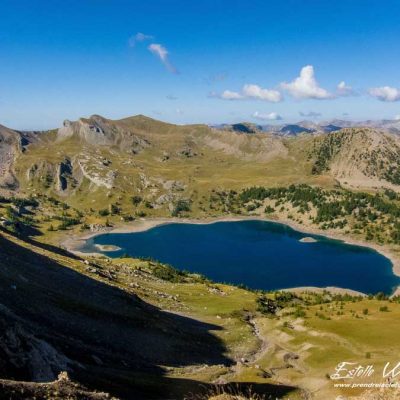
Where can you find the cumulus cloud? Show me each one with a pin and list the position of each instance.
(344, 90)
(305, 86)
(139, 37)
(272, 116)
(229, 95)
(385, 93)
(162, 53)
(256, 92)
(250, 91)
(310, 114)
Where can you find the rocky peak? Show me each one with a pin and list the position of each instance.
(99, 131)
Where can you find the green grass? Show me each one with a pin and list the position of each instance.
(320, 343)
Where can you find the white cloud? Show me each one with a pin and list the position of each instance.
(250, 91)
(179, 111)
(139, 37)
(256, 92)
(385, 93)
(305, 86)
(229, 95)
(162, 53)
(397, 117)
(310, 114)
(272, 116)
(344, 90)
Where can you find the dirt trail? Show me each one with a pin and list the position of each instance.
(264, 343)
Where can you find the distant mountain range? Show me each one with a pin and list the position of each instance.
(391, 126)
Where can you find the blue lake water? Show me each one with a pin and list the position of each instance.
(258, 254)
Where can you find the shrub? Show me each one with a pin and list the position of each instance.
(380, 296)
(136, 200)
(66, 222)
(114, 209)
(104, 212)
(84, 227)
(168, 273)
(269, 210)
(299, 313)
(147, 204)
(251, 207)
(180, 206)
(267, 306)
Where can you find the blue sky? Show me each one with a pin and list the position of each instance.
(198, 61)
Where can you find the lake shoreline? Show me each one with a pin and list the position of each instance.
(72, 244)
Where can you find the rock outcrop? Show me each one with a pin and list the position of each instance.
(98, 131)
(64, 176)
(10, 147)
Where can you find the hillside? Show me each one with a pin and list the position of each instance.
(12, 144)
(138, 329)
(10, 147)
(96, 161)
(359, 157)
(113, 325)
(162, 163)
(55, 318)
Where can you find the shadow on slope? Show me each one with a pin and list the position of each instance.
(53, 318)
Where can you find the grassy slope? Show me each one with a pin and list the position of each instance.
(323, 343)
(116, 341)
(210, 167)
(228, 350)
